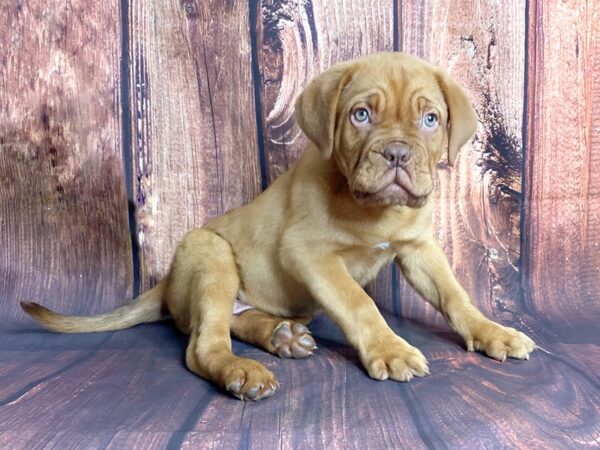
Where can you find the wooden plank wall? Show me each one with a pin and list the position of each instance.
(561, 232)
(206, 120)
(64, 234)
(194, 140)
(483, 46)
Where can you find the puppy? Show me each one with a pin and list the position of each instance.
(357, 199)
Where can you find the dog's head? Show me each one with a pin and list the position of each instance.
(385, 119)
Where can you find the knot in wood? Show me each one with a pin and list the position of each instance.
(190, 8)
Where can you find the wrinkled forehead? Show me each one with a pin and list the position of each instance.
(382, 85)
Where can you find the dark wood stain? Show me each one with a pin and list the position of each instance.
(208, 108)
(479, 211)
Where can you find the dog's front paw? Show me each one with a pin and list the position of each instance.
(499, 342)
(396, 359)
(249, 380)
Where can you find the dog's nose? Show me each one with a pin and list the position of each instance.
(397, 153)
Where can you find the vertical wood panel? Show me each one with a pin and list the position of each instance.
(478, 214)
(63, 209)
(562, 245)
(194, 130)
(298, 40)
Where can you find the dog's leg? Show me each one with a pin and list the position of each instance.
(286, 338)
(382, 353)
(213, 283)
(426, 268)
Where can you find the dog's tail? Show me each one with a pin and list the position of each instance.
(145, 308)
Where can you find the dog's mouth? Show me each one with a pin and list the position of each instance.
(395, 188)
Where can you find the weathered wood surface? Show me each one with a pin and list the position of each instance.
(211, 88)
(64, 234)
(562, 211)
(194, 134)
(482, 45)
(131, 390)
(296, 41)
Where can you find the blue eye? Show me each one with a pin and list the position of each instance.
(430, 121)
(361, 115)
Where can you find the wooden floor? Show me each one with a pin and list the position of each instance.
(131, 390)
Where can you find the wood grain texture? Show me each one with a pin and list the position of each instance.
(297, 40)
(194, 143)
(482, 45)
(63, 210)
(562, 214)
(196, 153)
(132, 390)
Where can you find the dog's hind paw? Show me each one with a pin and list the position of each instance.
(292, 340)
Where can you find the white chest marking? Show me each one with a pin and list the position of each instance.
(240, 304)
(382, 245)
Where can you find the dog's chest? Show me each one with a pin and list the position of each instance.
(365, 261)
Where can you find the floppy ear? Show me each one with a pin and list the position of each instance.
(462, 119)
(316, 106)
